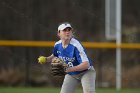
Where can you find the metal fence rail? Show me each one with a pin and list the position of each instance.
(85, 44)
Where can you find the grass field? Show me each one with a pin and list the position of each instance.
(56, 90)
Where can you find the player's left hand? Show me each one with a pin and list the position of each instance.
(58, 67)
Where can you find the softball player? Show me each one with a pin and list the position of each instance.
(80, 66)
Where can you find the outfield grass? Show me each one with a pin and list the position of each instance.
(56, 90)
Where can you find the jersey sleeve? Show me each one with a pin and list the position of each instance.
(81, 55)
(55, 51)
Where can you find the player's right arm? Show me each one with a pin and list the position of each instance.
(49, 58)
(43, 59)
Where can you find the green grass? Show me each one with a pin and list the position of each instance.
(56, 90)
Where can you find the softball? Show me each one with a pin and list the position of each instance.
(42, 60)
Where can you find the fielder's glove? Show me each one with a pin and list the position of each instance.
(58, 67)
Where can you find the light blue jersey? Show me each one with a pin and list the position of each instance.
(74, 54)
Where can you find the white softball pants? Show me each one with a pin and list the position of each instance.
(87, 80)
